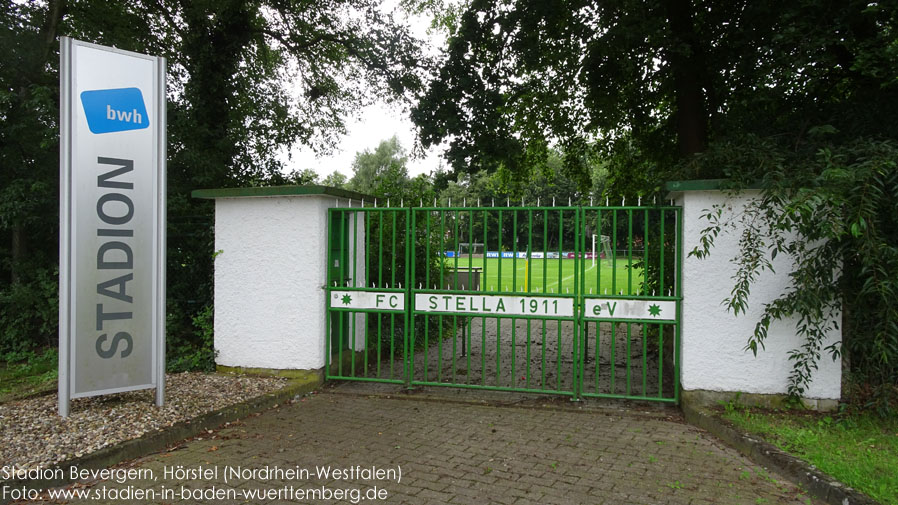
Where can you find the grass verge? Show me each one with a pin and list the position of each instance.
(858, 449)
(26, 374)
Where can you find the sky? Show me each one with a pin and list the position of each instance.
(375, 123)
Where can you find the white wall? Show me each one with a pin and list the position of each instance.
(270, 302)
(713, 340)
(269, 279)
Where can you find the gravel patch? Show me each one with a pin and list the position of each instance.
(33, 435)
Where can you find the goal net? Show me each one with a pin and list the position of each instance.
(470, 248)
(601, 248)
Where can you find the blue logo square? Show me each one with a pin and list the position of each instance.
(114, 110)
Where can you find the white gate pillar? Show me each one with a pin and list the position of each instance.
(714, 361)
(271, 246)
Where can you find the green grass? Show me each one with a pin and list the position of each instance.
(28, 374)
(860, 450)
(550, 275)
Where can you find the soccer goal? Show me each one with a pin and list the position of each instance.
(605, 248)
(470, 248)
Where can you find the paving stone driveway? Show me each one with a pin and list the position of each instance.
(457, 453)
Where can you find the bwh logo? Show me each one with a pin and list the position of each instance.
(114, 110)
(112, 114)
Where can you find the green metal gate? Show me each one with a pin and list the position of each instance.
(577, 301)
(367, 281)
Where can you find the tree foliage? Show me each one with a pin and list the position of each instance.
(800, 96)
(247, 78)
(381, 172)
(649, 84)
(335, 179)
(837, 221)
(519, 77)
(28, 176)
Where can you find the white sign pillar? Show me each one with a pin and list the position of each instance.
(112, 222)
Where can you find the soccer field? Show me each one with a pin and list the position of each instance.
(549, 275)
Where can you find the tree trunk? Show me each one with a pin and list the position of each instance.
(685, 56)
(19, 249)
(55, 10)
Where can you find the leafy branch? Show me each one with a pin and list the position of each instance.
(838, 227)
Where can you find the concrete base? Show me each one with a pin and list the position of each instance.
(701, 399)
(315, 377)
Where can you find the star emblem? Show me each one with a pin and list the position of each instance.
(346, 299)
(654, 310)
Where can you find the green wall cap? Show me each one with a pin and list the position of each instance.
(279, 191)
(706, 185)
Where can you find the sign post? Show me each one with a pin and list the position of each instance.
(112, 222)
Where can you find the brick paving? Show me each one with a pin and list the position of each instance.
(463, 453)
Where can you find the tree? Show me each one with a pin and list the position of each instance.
(518, 78)
(335, 180)
(800, 96)
(302, 177)
(246, 78)
(28, 175)
(382, 172)
(844, 260)
(650, 84)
